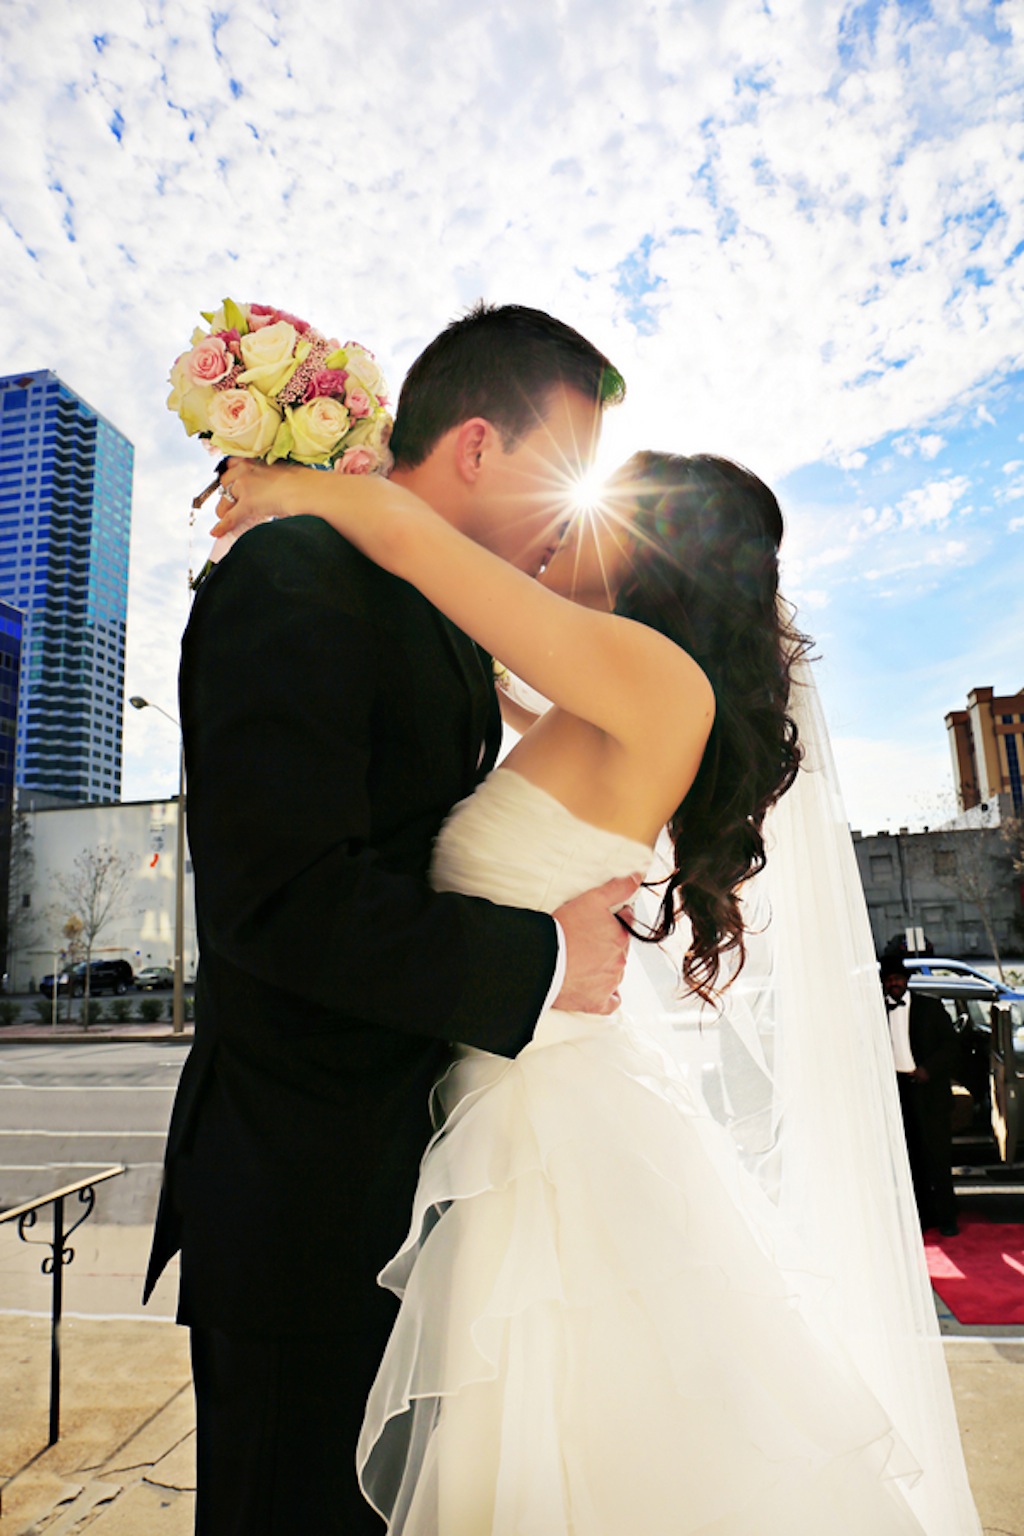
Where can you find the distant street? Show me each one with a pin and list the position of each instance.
(67, 1110)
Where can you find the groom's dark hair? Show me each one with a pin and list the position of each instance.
(502, 362)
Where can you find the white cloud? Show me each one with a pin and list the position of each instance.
(928, 445)
(938, 556)
(810, 203)
(1015, 525)
(932, 503)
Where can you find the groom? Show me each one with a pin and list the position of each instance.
(331, 720)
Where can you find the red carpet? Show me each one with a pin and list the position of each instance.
(980, 1274)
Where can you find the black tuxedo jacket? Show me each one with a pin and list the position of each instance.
(331, 719)
(933, 1042)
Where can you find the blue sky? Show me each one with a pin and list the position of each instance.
(796, 225)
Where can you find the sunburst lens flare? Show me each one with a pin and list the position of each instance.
(587, 493)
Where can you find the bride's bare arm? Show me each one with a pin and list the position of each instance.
(607, 670)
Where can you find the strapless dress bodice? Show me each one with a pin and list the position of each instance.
(514, 843)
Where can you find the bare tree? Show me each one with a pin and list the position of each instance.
(1012, 830)
(93, 891)
(978, 871)
(71, 953)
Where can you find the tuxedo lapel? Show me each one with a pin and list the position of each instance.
(474, 667)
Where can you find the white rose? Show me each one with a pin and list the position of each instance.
(359, 365)
(269, 357)
(317, 428)
(189, 399)
(244, 422)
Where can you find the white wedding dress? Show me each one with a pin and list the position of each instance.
(605, 1328)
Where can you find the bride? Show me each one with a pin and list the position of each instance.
(628, 1304)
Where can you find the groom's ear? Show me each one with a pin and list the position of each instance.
(473, 439)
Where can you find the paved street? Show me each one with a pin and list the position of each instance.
(68, 1110)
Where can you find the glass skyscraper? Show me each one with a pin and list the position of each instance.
(65, 520)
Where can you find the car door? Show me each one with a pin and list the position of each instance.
(1006, 1081)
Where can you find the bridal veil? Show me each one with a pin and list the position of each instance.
(797, 1065)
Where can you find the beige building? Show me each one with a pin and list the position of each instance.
(987, 744)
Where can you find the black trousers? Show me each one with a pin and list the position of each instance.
(277, 1421)
(928, 1126)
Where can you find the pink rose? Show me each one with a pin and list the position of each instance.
(357, 461)
(358, 401)
(207, 362)
(232, 341)
(326, 383)
(265, 314)
(302, 326)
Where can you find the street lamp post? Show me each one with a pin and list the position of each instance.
(178, 1026)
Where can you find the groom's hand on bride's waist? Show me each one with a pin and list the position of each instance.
(596, 946)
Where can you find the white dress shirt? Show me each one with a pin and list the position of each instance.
(899, 1029)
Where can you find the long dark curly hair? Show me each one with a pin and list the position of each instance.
(705, 573)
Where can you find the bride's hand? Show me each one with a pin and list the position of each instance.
(251, 492)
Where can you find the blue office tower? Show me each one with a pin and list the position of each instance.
(65, 520)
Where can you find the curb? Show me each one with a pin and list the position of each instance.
(13, 1034)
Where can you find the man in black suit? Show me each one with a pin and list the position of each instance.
(925, 1052)
(331, 720)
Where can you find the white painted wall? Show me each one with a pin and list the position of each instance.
(144, 832)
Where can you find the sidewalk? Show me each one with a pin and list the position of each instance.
(125, 1463)
(29, 1032)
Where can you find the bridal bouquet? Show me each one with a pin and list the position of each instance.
(263, 384)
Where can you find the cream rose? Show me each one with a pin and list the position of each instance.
(362, 368)
(270, 356)
(190, 400)
(243, 422)
(317, 428)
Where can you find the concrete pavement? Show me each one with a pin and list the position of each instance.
(125, 1463)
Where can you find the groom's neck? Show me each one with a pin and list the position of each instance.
(441, 489)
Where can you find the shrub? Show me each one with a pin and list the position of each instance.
(43, 1008)
(10, 1011)
(150, 1009)
(190, 1007)
(95, 1011)
(120, 1010)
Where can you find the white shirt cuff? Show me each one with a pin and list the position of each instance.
(559, 976)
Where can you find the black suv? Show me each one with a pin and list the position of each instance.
(104, 976)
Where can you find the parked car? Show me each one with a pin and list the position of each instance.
(104, 976)
(153, 978)
(955, 970)
(990, 1028)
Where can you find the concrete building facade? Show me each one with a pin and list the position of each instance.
(65, 521)
(942, 881)
(141, 929)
